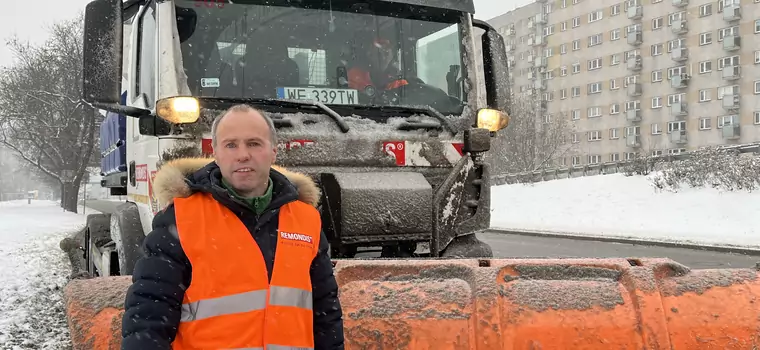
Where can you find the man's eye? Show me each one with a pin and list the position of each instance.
(230, 145)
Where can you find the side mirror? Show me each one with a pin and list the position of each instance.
(495, 67)
(102, 61)
(153, 126)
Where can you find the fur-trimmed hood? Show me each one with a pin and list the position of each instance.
(171, 181)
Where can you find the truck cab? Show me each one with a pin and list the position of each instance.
(377, 101)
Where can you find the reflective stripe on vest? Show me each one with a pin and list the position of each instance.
(230, 304)
(244, 302)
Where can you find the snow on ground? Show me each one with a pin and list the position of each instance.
(34, 271)
(630, 207)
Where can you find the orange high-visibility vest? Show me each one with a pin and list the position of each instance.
(360, 79)
(230, 303)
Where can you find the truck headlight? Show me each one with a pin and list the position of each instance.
(179, 110)
(493, 120)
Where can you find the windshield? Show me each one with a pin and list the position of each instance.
(337, 54)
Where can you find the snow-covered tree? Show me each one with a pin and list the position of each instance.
(532, 141)
(715, 167)
(42, 116)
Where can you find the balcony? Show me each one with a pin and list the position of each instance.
(633, 115)
(633, 140)
(732, 43)
(635, 38)
(635, 12)
(679, 54)
(679, 81)
(679, 110)
(731, 102)
(541, 18)
(531, 75)
(634, 89)
(679, 27)
(634, 63)
(539, 39)
(680, 3)
(732, 13)
(540, 62)
(678, 136)
(511, 31)
(732, 131)
(530, 41)
(530, 58)
(539, 84)
(731, 72)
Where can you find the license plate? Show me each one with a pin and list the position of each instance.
(326, 96)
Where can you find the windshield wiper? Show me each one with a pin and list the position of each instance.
(226, 102)
(427, 110)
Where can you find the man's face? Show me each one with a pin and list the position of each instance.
(244, 152)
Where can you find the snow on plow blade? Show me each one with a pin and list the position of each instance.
(504, 304)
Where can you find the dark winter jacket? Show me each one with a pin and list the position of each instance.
(162, 275)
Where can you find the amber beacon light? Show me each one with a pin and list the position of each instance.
(178, 110)
(492, 119)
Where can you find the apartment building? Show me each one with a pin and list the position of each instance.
(641, 76)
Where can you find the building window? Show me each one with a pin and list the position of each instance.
(657, 23)
(576, 91)
(705, 123)
(576, 22)
(615, 108)
(594, 112)
(595, 135)
(575, 138)
(656, 129)
(614, 85)
(595, 16)
(757, 117)
(576, 114)
(656, 76)
(656, 49)
(704, 95)
(615, 34)
(594, 88)
(705, 10)
(614, 59)
(576, 160)
(614, 157)
(614, 134)
(594, 159)
(677, 126)
(594, 40)
(656, 102)
(705, 67)
(595, 64)
(576, 44)
(576, 68)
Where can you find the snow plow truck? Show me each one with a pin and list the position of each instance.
(399, 167)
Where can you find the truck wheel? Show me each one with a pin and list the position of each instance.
(467, 246)
(127, 233)
(96, 235)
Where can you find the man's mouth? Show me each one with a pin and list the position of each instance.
(244, 170)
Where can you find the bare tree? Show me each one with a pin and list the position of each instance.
(42, 116)
(532, 141)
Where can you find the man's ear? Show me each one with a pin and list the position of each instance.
(274, 154)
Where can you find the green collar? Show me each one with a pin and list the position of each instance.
(257, 204)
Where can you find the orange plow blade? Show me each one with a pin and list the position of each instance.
(505, 304)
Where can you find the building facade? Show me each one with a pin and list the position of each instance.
(640, 76)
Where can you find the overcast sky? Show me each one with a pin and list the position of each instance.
(31, 21)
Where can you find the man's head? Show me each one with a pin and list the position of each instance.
(245, 147)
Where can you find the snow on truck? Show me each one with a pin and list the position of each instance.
(397, 165)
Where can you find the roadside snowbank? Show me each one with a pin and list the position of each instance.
(629, 207)
(34, 271)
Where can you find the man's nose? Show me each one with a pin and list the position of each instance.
(242, 155)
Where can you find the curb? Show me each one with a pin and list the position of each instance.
(634, 241)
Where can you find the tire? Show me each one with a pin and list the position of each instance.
(127, 233)
(467, 246)
(97, 233)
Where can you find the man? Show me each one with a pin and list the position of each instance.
(375, 68)
(237, 258)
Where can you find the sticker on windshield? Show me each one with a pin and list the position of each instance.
(324, 95)
(210, 82)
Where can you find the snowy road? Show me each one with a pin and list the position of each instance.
(34, 270)
(508, 245)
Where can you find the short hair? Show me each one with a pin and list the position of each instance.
(243, 108)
